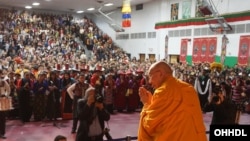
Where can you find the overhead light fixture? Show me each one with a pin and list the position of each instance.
(91, 9)
(47, 0)
(108, 4)
(80, 11)
(36, 3)
(28, 7)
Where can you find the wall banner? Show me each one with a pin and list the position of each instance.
(183, 50)
(204, 50)
(212, 42)
(196, 51)
(244, 51)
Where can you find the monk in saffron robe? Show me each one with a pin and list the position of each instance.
(172, 112)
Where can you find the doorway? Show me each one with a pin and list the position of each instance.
(151, 57)
(142, 57)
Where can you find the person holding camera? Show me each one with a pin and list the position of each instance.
(224, 111)
(92, 114)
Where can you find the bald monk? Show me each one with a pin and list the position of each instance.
(172, 112)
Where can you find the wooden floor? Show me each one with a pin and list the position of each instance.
(121, 125)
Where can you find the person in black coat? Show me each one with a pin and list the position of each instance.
(224, 111)
(92, 114)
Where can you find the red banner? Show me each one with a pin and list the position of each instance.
(183, 51)
(204, 50)
(243, 50)
(196, 51)
(212, 46)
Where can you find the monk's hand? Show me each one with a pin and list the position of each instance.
(145, 95)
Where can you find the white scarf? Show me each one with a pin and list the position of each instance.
(208, 87)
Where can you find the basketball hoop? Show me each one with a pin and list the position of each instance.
(218, 25)
(218, 30)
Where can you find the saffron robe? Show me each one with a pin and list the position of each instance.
(174, 114)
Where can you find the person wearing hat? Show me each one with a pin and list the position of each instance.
(74, 72)
(97, 79)
(203, 86)
(121, 90)
(140, 78)
(4, 92)
(141, 81)
(109, 90)
(132, 97)
(77, 91)
(66, 101)
(85, 69)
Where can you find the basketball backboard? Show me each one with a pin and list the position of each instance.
(218, 23)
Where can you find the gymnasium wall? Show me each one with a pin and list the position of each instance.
(143, 37)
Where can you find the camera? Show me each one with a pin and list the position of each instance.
(106, 133)
(98, 98)
(215, 99)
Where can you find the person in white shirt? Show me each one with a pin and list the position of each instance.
(77, 91)
(4, 92)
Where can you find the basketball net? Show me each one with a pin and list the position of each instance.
(218, 31)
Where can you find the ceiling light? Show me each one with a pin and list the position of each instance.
(35, 3)
(80, 11)
(91, 9)
(28, 7)
(108, 4)
(47, 0)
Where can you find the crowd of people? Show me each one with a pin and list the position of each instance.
(44, 61)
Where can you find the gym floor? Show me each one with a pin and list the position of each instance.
(121, 125)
